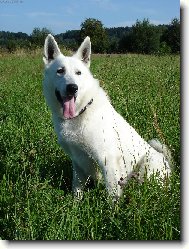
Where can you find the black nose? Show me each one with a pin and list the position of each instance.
(71, 89)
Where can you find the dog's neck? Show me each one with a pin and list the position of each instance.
(85, 108)
(81, 111)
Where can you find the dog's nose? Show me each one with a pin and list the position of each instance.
(71, 89)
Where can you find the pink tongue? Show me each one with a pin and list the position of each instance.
(69, 107)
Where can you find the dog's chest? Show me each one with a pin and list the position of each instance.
(72, 132)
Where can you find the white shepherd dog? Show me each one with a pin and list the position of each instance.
(89, 130)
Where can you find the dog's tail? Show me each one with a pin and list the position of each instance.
(162, 148)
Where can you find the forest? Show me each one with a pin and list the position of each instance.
(143, 38)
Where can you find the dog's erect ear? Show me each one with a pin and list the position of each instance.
(51, 49)
(84, 52)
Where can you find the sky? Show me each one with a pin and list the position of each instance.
(62, 15)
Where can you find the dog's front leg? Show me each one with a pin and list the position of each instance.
(112, 177)
(78, 181)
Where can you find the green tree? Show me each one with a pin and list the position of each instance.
(94, 29)
(172, 36)
(11, 45)
(145, 37)
(126, 43)
(38, 36)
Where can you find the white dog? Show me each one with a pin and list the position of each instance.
(89, 130)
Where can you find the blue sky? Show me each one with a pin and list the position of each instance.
(62, 15)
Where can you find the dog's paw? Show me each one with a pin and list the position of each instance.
(78, 194)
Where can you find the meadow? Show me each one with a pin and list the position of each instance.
(36, 202)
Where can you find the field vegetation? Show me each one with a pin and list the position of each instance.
(36, 202)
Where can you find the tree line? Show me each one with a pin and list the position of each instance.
(143, 37)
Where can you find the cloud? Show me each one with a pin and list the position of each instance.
(123, 24)
(68, 10)
(8, 15)
(106, 4)
(158, 22)
(132, 22)
(39, 14)
(146, 11)
(101, 1)
(59, 26)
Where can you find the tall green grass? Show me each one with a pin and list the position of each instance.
(36, 202)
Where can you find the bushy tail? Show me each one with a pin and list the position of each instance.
(162, 148)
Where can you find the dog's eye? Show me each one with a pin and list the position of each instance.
(78, 72)
(61, 70)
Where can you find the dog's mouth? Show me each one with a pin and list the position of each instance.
(67, 103)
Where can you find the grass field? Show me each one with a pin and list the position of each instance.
(36, 202)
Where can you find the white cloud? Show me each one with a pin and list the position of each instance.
(122, 24)
(143, 10)
(132, 22)
(157, 22)
(39, 14)
(59, 26)
(7, 15)
(107, 4)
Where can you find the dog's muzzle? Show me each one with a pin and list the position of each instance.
(58, 96)
(71, 89)
(68, 102)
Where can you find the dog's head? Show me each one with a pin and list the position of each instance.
(67, 79)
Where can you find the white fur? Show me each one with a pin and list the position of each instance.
(99, 135)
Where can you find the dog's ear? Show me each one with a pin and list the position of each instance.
(51, 49)
(84, 52)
